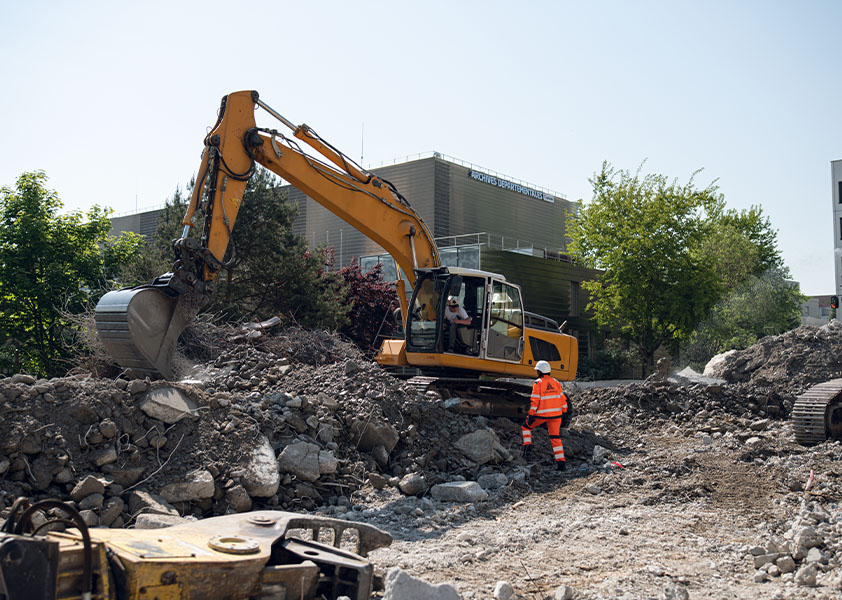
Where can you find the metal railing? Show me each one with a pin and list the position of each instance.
(495, 241)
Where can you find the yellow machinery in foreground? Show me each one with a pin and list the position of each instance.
(140, 326)
(234, 557)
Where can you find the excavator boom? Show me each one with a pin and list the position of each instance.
(140, 326)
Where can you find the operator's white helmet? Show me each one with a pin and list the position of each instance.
(453, 301)
(543, 367)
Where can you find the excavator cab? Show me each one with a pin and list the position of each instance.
(493, 306)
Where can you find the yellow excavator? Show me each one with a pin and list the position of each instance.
(502, 341)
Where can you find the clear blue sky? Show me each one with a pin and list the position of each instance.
(113, 99)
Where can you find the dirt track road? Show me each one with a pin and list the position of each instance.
(679, 517)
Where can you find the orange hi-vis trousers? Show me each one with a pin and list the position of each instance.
(554, 429)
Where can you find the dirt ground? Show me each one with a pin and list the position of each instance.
(676, 488)
(678, 517)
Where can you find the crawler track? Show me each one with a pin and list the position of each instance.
(817, 413)
(494, 398)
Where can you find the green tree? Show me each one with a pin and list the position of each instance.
(50, 265)
(762, 305)
(645, 234)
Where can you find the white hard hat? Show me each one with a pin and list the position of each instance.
(543, 366)
(452, 301)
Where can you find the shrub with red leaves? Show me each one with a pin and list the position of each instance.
(372, 303)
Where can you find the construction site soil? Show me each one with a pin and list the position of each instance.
(679, 487)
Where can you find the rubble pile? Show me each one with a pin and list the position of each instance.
(248, 429)
(808, 553)
(790, 362)
(657, 403)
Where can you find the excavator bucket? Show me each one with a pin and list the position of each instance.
(140, 327)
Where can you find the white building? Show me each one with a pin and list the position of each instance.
(836, 175)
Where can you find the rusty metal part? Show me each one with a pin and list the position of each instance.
(817, 413)
(140, 327)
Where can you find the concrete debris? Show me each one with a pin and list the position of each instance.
(459, 491)
(260, 476)
(195, 486)
(302, 421)
(168, 404)
(400, 585)
(503, 590)
(483, 446)
(563, 592)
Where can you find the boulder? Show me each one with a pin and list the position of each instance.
(503, 591)
(261, 478)
(717, 365)
(168, 404)
(113, 508)
(482, 446)
(195, 486)
(238, 498)
(492, 481)
(369, 434)
(86, 487)
(400, 585)
(328, 463)
(301, 459)
(141, 501)
(156, 521)
(459, 491)
(104, 456)
(412, 484)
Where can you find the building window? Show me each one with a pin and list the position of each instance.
(460, 256)
(839, 191)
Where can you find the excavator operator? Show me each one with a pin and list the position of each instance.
(455, 317)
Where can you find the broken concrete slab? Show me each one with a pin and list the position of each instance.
(168, 404)
(482, 446)
(301, 459)
(459, 491)
(156, 521)
(400, 585)
(194, 486)
(261, 478)
(141, 501)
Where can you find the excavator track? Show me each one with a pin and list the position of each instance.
(817, 413)
(493, 398)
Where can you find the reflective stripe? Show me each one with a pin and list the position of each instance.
(558, 453)
(549, 410)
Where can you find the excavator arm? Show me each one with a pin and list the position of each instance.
(140, 326)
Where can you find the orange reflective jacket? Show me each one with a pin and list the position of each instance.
(548, 399)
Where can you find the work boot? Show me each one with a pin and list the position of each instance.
(527, 452)
(561, 465)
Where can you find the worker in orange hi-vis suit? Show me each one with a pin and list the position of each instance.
(548, 406)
